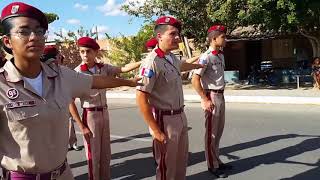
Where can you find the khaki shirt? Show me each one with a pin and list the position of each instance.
(162, 81)
(97, 96)
(212, 75)
(34, 129)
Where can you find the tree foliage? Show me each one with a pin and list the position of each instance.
(51, 17)
(129, 49)
(193, 14)
(197, 15)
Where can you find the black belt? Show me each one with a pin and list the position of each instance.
(169, 112)
(94, 108)
(221, 91)
(13, 175)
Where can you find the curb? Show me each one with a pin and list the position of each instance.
(237, 99)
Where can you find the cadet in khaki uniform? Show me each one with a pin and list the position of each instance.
(161, 101)
(209, 84)
(151, 44)
(34, 100)
(95, 118)
(52, 55)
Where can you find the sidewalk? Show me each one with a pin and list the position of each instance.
(244, 94)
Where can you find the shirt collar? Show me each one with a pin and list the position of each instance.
(215, 52)
(84, 66)
(12, 74)
(49, 71)
(159, 52)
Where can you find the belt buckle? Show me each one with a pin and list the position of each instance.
(55, 174)
(171, 112)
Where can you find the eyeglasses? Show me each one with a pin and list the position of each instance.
(26, 33)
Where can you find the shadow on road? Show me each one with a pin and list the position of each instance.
(126, 139)
(145, 167)
(279, 156)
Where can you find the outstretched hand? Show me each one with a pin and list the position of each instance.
(135, 82)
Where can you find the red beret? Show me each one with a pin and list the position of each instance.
(50, 50)
(17, 9)
(220, 28)
(151, 43)
(168, 20)
(88, 42)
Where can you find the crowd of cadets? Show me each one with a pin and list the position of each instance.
(37, 100)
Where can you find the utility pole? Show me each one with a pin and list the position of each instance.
(97, 32)
(187, 46)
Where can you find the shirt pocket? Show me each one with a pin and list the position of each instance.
(21, 113)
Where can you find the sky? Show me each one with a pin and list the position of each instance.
(73, 14)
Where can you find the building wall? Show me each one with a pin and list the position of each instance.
(235, 57)
(283, 52)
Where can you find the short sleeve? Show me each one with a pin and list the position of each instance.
(79, 84)
(110, 70)
(148, 75)
(204, 61)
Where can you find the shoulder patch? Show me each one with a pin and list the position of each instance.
(146, 72)
(203, 59)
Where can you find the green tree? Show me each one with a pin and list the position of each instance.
(281, 16)
(71, 36)
(193, 14)
(129, 49)
(285, 16)
(125, 50)
(51, 17)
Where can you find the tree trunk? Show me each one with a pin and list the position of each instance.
(314, 47)
(315, 43)
(186, 42)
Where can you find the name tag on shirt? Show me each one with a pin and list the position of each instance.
(19, 104)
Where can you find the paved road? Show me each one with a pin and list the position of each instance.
(262, 141)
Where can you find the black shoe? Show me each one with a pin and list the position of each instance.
(76, 148)
(217, 172)
(225, 166)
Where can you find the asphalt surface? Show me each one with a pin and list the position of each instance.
(261, 141)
